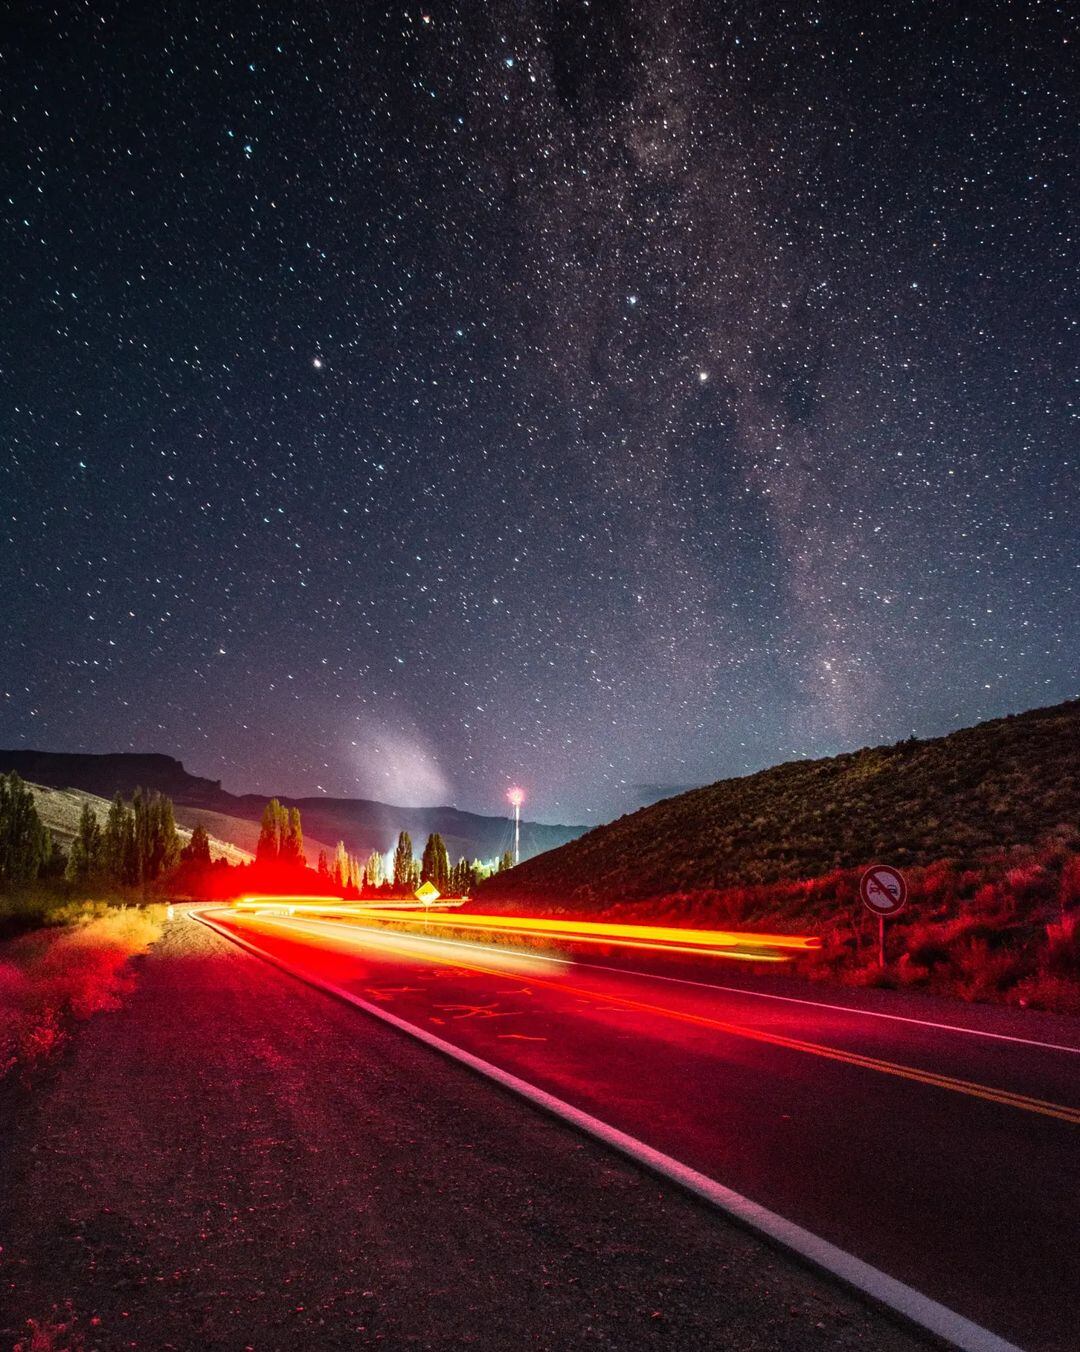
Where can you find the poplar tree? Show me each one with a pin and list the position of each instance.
(462, 879)
(341, 865)
(198, 850)
(118, 844)
(403, 864)
(373, 870)
(26, 847)
(435, 866)
(87, 848)
(291, 837)
(157, 846)
(272, 833)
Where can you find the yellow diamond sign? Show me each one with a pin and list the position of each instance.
(427, 894)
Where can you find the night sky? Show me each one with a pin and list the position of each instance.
(402, 402)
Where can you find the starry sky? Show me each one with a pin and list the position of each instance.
(406, 402)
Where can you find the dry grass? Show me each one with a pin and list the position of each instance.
(50, 979)
(1004, 928)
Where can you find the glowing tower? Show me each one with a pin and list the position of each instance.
(517, 797)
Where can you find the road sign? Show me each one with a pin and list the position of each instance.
(427, 894)
(883, 890)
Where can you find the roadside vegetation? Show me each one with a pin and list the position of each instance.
(984, 823)
(53, 978)
(73, 923)
(1006, 930)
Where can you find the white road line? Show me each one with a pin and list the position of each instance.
(877, 1286)
(843, 1009)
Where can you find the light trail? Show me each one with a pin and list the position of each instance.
(413, 945)
(730, 944)
(972, 1089)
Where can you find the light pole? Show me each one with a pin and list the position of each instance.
(517, 798)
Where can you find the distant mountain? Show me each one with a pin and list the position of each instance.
(363, 824)
(1012, 781)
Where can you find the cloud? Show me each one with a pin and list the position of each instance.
(396, 765)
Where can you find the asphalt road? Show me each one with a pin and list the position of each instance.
(231, 1160)
(945, 1156)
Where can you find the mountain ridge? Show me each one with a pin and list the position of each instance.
(1008, 781)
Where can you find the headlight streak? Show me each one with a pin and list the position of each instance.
(411, 945)
(729, 944)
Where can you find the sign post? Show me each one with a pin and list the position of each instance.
(884, 892)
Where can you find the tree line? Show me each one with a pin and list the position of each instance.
(281, 836)
(406, 873)
(138, 844)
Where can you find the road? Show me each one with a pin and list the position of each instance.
(945, 1156)
(233, 1160)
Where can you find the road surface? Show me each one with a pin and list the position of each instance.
(233, 1160)
(948, 1158)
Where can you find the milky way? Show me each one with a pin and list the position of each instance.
(409, 402)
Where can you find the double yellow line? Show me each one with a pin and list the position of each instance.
(970, 1087)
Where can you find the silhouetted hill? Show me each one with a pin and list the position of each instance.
(363, 824)
(1008, 782)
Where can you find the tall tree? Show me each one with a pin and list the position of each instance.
(157, 846)
(506, 861)
(373, 871)
(323, 868)
(87, 849)
(118, 844)
(341, 865)
(435, 865)
(403, 863)
(166, 841)
(291, 847)
(462, 879)
(271, 833)
(197, 851)
(427, 860)
(25, 843)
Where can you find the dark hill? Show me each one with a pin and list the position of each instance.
(363, 824)
(1003, 783)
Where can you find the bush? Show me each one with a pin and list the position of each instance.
(1062, 957)
(1047, 992)
(55, 977)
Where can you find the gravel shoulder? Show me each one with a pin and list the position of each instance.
(232, 1160)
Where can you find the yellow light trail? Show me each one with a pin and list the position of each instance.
(730, 944)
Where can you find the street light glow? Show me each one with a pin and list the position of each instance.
(516, 796)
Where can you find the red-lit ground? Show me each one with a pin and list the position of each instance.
(234, 1160)
(923, 1150)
